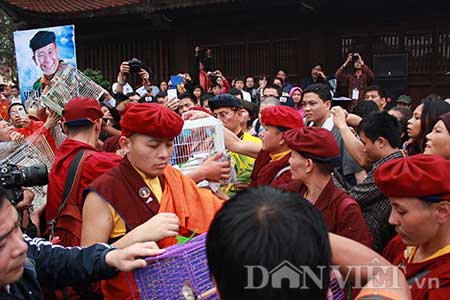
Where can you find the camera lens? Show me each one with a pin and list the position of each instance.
(36, 175)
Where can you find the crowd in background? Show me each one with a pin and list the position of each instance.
(374, 168)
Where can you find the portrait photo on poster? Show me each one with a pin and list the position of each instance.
(40, 54)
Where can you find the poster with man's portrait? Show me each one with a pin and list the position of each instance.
(40, 53)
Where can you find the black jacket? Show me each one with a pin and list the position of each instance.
(52, 267)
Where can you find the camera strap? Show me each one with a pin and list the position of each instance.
(68, 186)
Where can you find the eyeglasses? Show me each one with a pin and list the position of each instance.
(223, 115)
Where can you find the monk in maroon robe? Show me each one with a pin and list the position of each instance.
(272, 163)
(144, 198)
(315, 153)
(418, 188)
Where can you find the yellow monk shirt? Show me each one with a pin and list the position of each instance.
(279, 156)
(410, 252)
(154, 185)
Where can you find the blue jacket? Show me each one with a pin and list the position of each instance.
(53, 267)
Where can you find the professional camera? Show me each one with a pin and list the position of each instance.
(13, 178)
(135, 65)
(355, 58)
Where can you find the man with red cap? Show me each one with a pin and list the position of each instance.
(418, 188)
(315, 154)
(272, 163)
(82, 124)
(144, 198)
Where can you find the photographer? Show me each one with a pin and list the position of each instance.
(202, 64)
(358, 79)
(28, 127)
(217, 77)
(134, 66)
(25, 264)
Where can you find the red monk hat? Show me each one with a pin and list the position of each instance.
(81, 111)
(315, 143)
(151, 119)
(281, 116)
(423, 176)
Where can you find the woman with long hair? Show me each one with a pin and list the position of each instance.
(424, 118)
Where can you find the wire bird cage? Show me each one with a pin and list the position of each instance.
(28, 154)
(181, 266)
(71, 83)
(198, 140)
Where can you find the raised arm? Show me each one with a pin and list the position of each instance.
(358, 260)
(235, 144)
(353, 145)
(341, 74)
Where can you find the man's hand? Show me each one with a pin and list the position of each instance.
(144, 76)
(28, 197)
(195, 115)
(187, 77)
(158, 227)
(348, 60)
(130, 258)
(124, 68)
(106, 95)
(122, 105)
(172, 103)
(215, 170)
(52, 120)
(361, 61)
(15, 136)
(339, 117)
(123, 71)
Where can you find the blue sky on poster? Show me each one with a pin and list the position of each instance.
(28, 71)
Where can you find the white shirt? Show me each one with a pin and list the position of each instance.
(328, 124)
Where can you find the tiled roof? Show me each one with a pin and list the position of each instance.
(70, 6)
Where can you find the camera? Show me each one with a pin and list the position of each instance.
(355, 58)
(13, 178)
(135, 65)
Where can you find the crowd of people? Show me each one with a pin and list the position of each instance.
(302, 180)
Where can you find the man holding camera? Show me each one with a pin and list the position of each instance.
(358, 79)
(134, 66)
(28, 264)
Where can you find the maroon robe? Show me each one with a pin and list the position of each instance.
(340, 211)
(267, 172)
(121, 187)
(393, 248)
(430, 279)
(125, 180)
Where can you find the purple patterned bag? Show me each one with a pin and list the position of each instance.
(183, 270)
(179, 266)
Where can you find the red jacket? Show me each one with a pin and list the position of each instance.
(340, 211)
(94, 165)
(429, 279)
(36, 128)
(267, 172)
